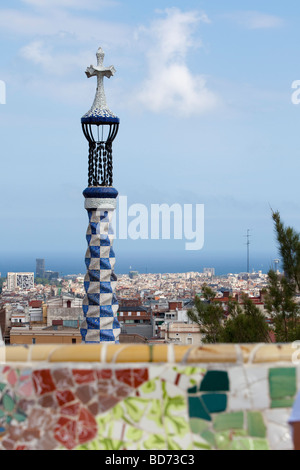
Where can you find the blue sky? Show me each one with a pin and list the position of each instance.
(203, 90)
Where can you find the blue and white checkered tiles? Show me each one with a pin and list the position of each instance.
(100, 305)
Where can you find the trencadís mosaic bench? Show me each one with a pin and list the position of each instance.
(141, 397)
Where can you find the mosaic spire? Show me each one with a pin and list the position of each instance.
(100, 305)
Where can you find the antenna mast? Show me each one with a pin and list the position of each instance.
(248, 254)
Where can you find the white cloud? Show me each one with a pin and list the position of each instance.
(171, 85)
(43, 53)
(174, 88)
(256, 20)
(61, 45)
(58, 45)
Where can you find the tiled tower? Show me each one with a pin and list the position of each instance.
(100, 127)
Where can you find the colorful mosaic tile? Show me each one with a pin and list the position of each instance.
(256, 425)
(154, 407)
(215, 381)
(283, 388)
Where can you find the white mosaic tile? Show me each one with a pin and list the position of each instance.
(258, 385)
(238, 398)
(278, 431)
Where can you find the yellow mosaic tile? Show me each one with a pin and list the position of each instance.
(144, 353)
(16, 354)
(213, 353)
(273, 353)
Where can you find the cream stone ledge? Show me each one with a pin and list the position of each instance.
(132, 353)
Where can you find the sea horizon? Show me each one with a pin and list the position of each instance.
(68, 264)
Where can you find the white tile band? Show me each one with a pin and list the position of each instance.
(100, 203)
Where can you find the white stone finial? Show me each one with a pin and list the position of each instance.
(100, 71)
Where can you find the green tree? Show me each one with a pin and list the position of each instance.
(247, 324)
(280, 300)
(241, 324)
(209, 315)
(289, 249)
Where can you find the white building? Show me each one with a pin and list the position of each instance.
(22, 281)
(181, 333)
(209, 272)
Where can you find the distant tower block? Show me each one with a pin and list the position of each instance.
(100, 127)
(40, 268)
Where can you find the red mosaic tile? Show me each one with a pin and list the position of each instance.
(48, 401)
(94, 408)
(139, 377)
(132, 377)
(178, 376)
(86, 393)
(122, 391)
(72, 432)
(86, 426)
(106, 402)
(65, 433)
(83, 376)
(42, 381)
(106, 388)
(64, 396)
(70, 410)
(104, 374)
(124, 376)
(63, 378)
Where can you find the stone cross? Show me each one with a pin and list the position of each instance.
(100, 72)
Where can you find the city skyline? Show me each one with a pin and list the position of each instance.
(205, 98)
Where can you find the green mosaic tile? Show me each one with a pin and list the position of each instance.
(197, 426)
(282, 382)
(201, 445)
(155, 442)
(226, 421)
(193, 389)
(222, 440)
(20, 417)
(215, 402)
(133, 434)
(197, 409)
(215, 381)
(261, 444)
(8, 403)
(283, 403)
(209, 437)
(256, 425)
(249, 444)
